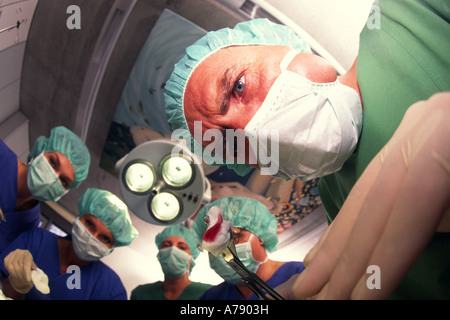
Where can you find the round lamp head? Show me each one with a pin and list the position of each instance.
(165, 206)
(139, 176)
(177, 171)
(161, 183)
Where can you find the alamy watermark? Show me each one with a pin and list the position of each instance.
(374, 19)
(74, 280)
(229, 146)
(74, 20)
(374, 280)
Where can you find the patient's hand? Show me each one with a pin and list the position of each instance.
(396, 206)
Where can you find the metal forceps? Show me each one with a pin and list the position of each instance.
(254, 282)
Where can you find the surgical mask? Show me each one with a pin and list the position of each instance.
(174, 262)
(42, 180)
(318, 126)
(219, 265)
(87, 247)
(245, 254)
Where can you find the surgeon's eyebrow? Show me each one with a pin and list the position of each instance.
(226, 86)
(67, 181)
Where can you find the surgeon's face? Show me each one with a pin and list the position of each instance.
(178, 242)
(62, 166)
(98, 229)
(228, 87)
(241, 235)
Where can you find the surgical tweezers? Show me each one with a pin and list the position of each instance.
(255, 283)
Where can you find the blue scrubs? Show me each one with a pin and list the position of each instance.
(228, 291)
(97, 280)
(16, 221)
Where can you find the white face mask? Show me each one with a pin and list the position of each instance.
(42, 180)
(318, 126)
(245, 254)
(86, 246)
(174, 262)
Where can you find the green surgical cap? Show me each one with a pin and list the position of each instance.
(111, 211)
(66, 142)
(253, 32)
(182, 232)
(245, 213)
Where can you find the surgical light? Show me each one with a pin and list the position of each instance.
(139, 177)
(177, 171)
(165, 206)
(161, 183)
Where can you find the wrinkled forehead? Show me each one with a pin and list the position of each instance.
(210, 79)
(202, 92)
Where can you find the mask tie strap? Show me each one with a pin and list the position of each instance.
(288, 59)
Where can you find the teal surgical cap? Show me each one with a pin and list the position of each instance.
(182, 232)
(253, 32)
(245, 213)
(108, 208)
(66, 142)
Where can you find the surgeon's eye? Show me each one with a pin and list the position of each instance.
(88, 223)
(64, 182)
(183, 246)
(52, 162)
(105, 239)
(239, 86)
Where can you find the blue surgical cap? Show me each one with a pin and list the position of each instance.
(108, 208)
(245, 213)
(253, 32)
(185, 233)
(66, 142)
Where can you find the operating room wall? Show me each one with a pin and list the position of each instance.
(55, 62)
(15, 20)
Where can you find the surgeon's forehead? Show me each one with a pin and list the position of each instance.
(174, 241)
(214, 77)
(205, 89)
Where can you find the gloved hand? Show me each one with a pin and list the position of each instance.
(19, 264)
(382, 223)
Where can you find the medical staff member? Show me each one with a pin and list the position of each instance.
(102, 225)
(263, 76)
(55, 165)
(254, 231)
(178, 249)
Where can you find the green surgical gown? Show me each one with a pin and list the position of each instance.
(404, 57)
